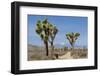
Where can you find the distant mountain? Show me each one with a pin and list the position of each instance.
(68, 45)
(58, 46)
(81, 46)
(31, 46)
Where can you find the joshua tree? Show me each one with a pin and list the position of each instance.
(52, 32)
(47, 32)
(42, 30)
(72, 37)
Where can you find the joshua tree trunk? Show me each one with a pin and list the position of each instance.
(52, 51)
(46, 47)
(72, 46)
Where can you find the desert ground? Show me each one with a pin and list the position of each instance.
(39, 53)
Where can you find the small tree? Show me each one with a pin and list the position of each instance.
(72, 37)
(65, 48)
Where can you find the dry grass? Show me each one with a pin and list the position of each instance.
(39, 53)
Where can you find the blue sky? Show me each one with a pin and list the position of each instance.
(64, 24)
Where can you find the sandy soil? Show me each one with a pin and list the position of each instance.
(66, 56)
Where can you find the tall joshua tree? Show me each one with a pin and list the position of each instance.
(42, 28)
(72, 37)
(52, 32)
